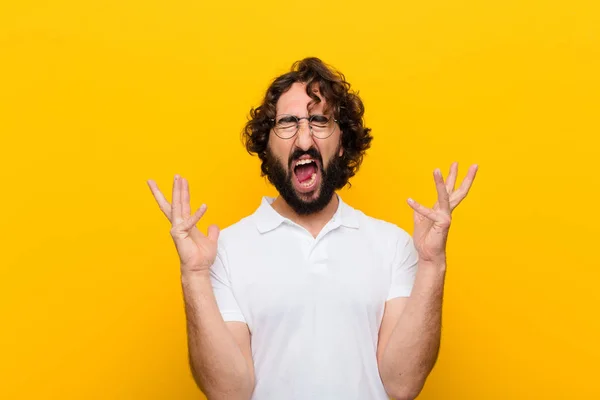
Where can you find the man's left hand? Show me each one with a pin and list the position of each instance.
(432, 225)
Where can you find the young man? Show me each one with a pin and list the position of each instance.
(309, 298)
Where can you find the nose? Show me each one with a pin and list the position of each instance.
(304, 138)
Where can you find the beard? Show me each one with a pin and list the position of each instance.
(331, 177)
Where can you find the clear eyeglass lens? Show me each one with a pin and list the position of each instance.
(320, 125)
(286, 126)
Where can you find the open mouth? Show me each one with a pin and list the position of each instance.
(306, 171)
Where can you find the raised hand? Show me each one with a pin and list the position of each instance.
(197, 251)
(432, 224)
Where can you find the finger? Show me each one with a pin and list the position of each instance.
(163, 204)
(443, 196)
(185, 198)
(193, 220)
(451, 180)
(176, 204)
(213, 233)
(422, 210)
(465, 186)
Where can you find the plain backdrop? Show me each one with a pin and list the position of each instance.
(98, 96)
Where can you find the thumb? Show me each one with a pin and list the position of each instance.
(213, 232)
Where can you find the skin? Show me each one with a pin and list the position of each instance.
(410, 332)
(219, 352)
(295, 101)
(409, 336)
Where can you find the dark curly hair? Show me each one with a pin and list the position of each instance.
(346, 105)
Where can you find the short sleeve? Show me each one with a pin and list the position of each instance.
(404, 267)
(221, 284)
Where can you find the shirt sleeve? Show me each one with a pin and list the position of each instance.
(404, 267)
(221, 284)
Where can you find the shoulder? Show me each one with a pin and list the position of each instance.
(234, 237)
(391, 239)
(239, 231)
(382, 229)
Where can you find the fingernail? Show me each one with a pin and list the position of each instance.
(411, 201)
(176, 177)
(437, 172)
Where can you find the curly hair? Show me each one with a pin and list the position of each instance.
(346, 105)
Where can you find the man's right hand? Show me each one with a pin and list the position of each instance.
(220, 354)
(197, 251)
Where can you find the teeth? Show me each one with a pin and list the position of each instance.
(310, 181)
(305, 161)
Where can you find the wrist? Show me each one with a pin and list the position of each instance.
(435, 265)
(190, 278)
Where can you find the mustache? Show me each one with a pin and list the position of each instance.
(299, 153)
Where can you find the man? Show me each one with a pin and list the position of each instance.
(309, 298)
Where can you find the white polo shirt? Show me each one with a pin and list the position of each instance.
(313, 305)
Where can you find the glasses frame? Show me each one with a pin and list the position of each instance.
(298, 119)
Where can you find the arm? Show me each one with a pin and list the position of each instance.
(409, 337)
(219, 352)
(411, 327)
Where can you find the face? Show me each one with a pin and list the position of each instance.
(304, 169)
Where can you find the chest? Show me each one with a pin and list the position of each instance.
(275, 280)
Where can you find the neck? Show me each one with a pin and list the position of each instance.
(312, 222)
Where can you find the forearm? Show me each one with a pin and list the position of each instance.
(413, 347)
(217, 363)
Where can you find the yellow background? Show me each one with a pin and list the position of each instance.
(96, 97)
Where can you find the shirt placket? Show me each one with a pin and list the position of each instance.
(317, 254)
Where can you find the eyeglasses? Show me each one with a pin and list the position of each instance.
(286, 125)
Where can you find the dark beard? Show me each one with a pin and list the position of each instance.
(330, 179)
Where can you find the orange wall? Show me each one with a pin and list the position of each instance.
(97, 97)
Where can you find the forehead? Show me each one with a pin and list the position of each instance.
(295, 101)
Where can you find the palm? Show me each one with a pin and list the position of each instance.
(431, 226)
(196, 250)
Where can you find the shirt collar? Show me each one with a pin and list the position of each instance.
(267, 219)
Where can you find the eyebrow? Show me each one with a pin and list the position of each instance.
(296, 115)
